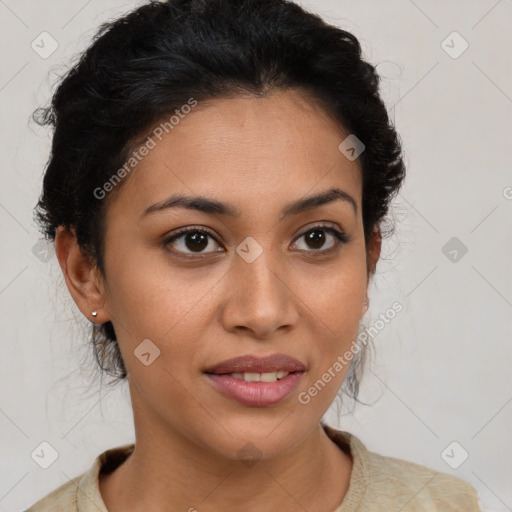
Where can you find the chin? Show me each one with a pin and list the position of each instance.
(255, 436)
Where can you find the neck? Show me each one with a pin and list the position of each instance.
(168, 470)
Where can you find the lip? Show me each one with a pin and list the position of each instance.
(255, 364)
(256, 394)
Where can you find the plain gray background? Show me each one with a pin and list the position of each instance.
(441, 373)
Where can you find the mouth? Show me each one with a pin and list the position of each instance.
(259, 377)
(257, 364)
(257, 381)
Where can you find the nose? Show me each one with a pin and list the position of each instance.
(260, 298)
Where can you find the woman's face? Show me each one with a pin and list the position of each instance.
(255, 285)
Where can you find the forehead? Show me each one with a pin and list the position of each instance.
(252, 150)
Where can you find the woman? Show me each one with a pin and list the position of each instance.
(218, 177)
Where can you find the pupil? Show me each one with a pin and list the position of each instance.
(317, 239)
(198, 241)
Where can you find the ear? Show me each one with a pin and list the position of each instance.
(82, 276)
(373, 253)
(372, 256)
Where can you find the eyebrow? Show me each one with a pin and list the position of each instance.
(212, 206)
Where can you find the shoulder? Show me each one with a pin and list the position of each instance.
(62, 499)
(381, 483)
(82, 492)
(418, 487)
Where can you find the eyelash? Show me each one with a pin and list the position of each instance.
(341, 238)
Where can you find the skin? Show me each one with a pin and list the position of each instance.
(258, 154)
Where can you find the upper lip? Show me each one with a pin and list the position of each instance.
(255, 364)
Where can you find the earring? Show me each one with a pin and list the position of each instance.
(366, 303)
(95, 313)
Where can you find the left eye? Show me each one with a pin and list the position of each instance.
(196, 240)
(316, 238)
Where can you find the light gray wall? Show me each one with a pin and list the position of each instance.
(441, 372)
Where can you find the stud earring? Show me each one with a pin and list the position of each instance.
(95, 313)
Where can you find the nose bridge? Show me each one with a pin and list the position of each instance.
(260, 298)
(257, 266)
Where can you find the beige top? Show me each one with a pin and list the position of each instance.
(377, 484)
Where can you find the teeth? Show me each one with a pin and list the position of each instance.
(260, 377)
(268, 377)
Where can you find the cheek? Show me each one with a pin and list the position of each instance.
(143, 306)
(153, 312)
(336, 309)
(335, 296)
(157, 301)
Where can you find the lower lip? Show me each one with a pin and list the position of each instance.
(256, 394)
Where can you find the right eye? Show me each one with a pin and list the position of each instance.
(193, 239)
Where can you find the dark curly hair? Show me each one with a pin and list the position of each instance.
(140, 68)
